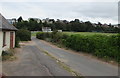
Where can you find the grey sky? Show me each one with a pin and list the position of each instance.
(105, 12)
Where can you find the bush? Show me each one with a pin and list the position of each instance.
(23, 35)
(56, 37)
(41, 35)
(17, 40)
(7, 55)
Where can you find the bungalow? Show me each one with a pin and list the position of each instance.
(46, 29)
(7, 35)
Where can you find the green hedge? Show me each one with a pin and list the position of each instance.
(17, 40)
(102, 46)
(23, 35)
(99, 45)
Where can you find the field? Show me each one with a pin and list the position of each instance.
(82, 33)
(33, 33)
(89, 33)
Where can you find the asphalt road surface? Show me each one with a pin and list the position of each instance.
(84, 65)
(33, 62)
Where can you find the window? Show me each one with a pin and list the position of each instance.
(4, 39)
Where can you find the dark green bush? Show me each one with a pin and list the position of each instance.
(23, 35)
(42, 35)
(5, 53)
(8, 55)
(17, 40)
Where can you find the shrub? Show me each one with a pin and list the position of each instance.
(39, 35)
(17, 40)
(23, 35)
(5, 53)
(42, 35)
(8, 55)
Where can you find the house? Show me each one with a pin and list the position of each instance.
(46, 29)
(12, 21)
(116, 25)
(7, 35)
(59, 30)
(105, 25)
(47, 20)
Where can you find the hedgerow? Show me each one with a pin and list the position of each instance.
(102, 46)
(23, 35)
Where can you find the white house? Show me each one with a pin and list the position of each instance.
(116, 25)
(7, 35)
(46, 29)
(59, 30)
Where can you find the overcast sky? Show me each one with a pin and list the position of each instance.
(105, 11)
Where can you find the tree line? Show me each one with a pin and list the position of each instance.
(75, 25)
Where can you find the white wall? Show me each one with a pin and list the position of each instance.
(7, 41)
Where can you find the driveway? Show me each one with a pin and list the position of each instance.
(31, 61)
(84, 65)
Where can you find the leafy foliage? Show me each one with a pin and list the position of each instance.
(17, 40)
(23, 35)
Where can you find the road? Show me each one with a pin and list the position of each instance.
(33, 62)
(82, 64)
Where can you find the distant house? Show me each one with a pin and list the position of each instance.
(7, 35)
(12, 21)
(105, 25)
(36, 19)
(47, 20)
(46, 29)
(59, 30)
(116, 25)
(94, 24)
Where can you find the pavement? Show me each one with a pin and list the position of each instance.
(84, 65)
(31, 61)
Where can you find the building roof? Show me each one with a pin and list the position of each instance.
(5, 25)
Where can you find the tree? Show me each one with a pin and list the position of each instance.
(110, 25)
(20, 19)
(89, 26)
(99, 24)
(75, 25)
(77, 20)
